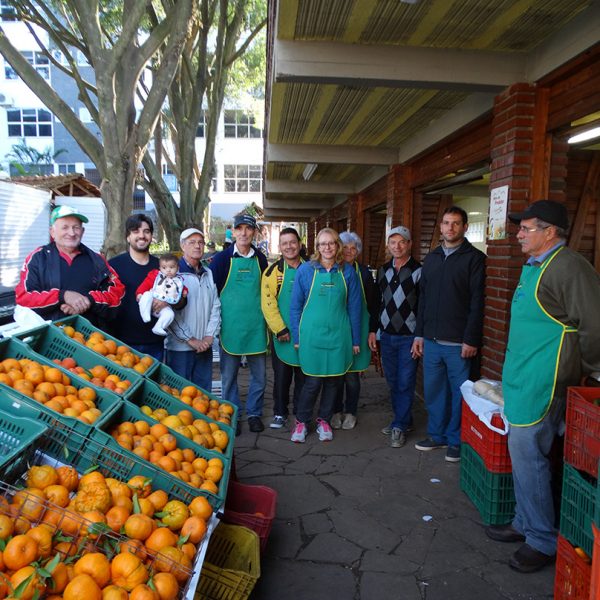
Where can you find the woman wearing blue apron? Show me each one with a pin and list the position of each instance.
(325, 315)
(344, 415)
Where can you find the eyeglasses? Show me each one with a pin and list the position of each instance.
(195, 243)
(326, 244)
(524, 229)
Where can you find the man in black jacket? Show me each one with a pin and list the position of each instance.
(449, 328)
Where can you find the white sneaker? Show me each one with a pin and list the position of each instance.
(158, 330)
(324, 431)
(278, 422)
(299, 433)
(336, 420)
(349, 422)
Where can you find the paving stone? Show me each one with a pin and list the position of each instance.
(285, 539)
(331, 548)
(460, 585)
(383, 562)
(363, 529)
(305, 464)
(384, 586)
(350, 485)
(316, 523)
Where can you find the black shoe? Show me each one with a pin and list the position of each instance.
(238, 429)
(255, 424)
(504, 533)
(528, 560)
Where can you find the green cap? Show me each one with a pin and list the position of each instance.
(66, 211)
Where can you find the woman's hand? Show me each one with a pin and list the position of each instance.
(355, 349)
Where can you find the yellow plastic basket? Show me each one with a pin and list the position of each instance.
(232, 564)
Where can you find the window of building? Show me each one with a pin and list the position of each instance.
(67, 168)
(29, 122)
(243, 178)
(170, 178)
(201, 130)
(7, 12)
(38, 60)
(239, 124)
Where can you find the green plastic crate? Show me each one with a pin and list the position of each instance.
(149, 393)
(16, 433)
(492, 493)
(51, 343)
(80, 323)
(166, 375)
(11, 400)
(126, 462)
(231, 566)
(577, 507)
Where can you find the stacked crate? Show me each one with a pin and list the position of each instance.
(486, 471)
(578, 503)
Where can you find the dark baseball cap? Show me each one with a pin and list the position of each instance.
(244, 220)
(549, 211)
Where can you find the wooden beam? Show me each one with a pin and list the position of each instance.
(542, 147)
(596, 242)
(445, 202)
(585, 202)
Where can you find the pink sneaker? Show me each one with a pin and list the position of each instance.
(299, 433)
(324, 431)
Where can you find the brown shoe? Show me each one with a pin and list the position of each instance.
(504, 533)
(528, 560)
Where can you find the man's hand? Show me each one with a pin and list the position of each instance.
(201, 345)
(284, 337)
(468, 351)
(78, 302)
(158, 305)
(68, 309)
(372, 341)
(416, 350)
(355, 350)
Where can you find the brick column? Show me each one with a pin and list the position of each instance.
(516, 162)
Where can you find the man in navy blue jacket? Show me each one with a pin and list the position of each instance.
(449, 328)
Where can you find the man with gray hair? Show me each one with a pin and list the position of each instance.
(191, 334)
(398, 282)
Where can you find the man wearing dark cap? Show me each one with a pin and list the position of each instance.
(65, 277)
(554, 341)
(237, 273)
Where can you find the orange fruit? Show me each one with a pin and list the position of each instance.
(114, 592)
(68, 477)
(43, 536)
(127, 571)
(92, 477)
(173, 560)
(96, 565)
(166, 586)
(7, 526)
(57, 494)
(41, 476)
(159, 538)
(19, 552)
(210, 486)
(140, 485)
(194, 528)
(30, 502)
(201, 507)
(59, 579)
(86, 393)
(82, 586)
(158, 498)
(116, 517)
(143, 592)
(33, 589)
(138, 527)
(53, 375)
(134, 547)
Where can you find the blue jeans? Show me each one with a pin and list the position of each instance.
(351, 385)
(400, 371)
(230, 365)
(529, 448)
(195, 366)
(444, 371)
(328, 386)
(156, 351)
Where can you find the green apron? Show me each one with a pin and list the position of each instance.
(285, 350)
(363, 359)
(243, 328)
(324, 333)
(534, 345)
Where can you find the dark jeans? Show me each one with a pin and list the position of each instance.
(351, 385)
(283, 375)
(156, 351)
(310, 392)
(195, 366)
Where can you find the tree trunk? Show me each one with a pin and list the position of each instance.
(117, 195)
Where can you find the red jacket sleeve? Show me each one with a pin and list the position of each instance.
(29, 291)
(148, 282)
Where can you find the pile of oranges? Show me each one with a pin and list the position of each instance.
(198, 400)
(98, 375)
(119, 354)
(202, 432)
(51, 387)
(63, 538)
(155, 444)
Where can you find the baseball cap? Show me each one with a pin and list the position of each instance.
(400, 230)
(552, 212)
(185, 234)
(66, 211)
(210, 245)
(244, 220)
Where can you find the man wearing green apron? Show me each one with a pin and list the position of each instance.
(554, 340)
(276, 294)
(237, 272)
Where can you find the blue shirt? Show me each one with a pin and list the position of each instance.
(301, 290)
(538, 260)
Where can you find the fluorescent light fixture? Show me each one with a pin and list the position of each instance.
(590, 134)
(309, 171)
(409, 1)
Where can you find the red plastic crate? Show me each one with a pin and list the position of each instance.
(573, 573)
(252, 506)
(492, 447)
(595, 579)
(582, 435)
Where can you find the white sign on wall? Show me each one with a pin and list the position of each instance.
(498, 208)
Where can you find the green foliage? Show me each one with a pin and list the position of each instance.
(25, 159)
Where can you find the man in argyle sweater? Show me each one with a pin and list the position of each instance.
(398, 282)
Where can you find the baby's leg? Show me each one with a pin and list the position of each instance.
(165, 318)
(145, 304)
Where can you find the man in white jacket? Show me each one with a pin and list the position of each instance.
(190, 336)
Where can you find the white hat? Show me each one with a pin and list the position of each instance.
(400, 230)
(185, 234)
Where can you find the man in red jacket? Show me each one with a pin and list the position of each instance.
(65, 277)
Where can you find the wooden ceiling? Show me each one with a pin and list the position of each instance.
(354, 86)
